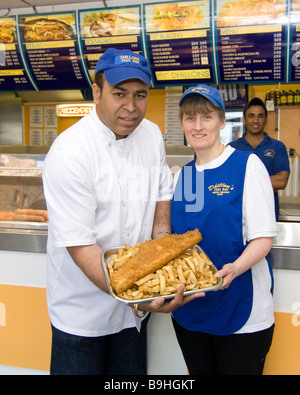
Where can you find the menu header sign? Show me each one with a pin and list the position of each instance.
(252, 40)
(101, 29)
(60, 50)
(13, 75)
(178, 41)
(294, 69)
(50, 47)
(186, 43)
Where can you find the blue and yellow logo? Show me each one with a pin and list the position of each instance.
(220, 189)
(127, 59)
(200, 89)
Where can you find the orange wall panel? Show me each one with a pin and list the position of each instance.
(25, 338)
(284, 355)
(156, 108)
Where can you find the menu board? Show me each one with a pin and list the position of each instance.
(13, 75)
(294, 71)
(50, 46)
(178, 41)
(186, 43)
(251, 40)
(105, 28)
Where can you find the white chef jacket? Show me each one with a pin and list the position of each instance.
(98, 190)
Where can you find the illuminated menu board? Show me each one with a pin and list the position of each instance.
(178, 41)
(294, 70)
(50, 46)
(105, 28)
(251, 40)
(185, 42)
(13, 75)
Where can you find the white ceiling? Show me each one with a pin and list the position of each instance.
(24, 6)
(9, 4)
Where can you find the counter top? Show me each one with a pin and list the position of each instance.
(15, 226)
(289, 209)
(32, 237)
(288, 235)
(23, 236)
(285, 253)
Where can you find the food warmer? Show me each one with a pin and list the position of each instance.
(23, 215)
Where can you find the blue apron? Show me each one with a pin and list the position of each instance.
(212, 202)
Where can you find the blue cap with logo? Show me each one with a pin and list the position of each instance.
(120, 65)
(210, 93)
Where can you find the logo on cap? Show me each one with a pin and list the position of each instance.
(200, 89)
(126, 59)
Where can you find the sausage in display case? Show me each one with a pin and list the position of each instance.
(23, 212)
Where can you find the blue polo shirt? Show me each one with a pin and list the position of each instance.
(272, 153)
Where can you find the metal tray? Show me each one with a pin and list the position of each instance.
(111, 252)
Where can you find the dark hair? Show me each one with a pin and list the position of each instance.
(256, 101)
(99, 79)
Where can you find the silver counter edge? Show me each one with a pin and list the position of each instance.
(23, 242)
(285, 253)
(23, 236)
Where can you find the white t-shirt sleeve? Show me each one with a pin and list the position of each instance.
(67, 184)
(258, 201)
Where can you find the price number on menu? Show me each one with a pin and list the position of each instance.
(277, 55)
(199, 53)
(75, 64)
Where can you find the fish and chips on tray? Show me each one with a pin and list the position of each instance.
(158, 267)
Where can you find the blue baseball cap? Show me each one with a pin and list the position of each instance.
(256, 101)
(120, 65)
(210, 93)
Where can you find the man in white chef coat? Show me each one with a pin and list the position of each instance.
(106, 184)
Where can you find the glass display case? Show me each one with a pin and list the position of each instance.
(23, 212)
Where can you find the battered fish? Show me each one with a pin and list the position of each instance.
(152, 255)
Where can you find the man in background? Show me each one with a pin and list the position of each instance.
(272, 153)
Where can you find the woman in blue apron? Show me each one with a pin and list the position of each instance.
(227, 195)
